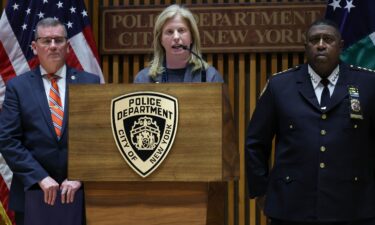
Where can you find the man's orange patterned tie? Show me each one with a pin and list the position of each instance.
(55, 105)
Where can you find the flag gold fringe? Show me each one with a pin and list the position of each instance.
(4, 216)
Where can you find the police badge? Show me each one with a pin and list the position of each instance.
(144, 126)
(355, 106)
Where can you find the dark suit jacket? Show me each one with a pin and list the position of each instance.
(324, 162)
(28, 141)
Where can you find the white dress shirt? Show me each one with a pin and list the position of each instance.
(318, 87)
(61, 82)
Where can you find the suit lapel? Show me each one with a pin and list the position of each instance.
(40, 95)
(71, 78)
(305, 87)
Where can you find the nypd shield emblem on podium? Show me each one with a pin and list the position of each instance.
(144, 126)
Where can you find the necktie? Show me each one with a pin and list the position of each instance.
(57, 112)
(324, 99)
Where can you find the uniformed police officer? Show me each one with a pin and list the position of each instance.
(322, 115)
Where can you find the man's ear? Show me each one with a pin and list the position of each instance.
(33, 46)
(342, 44)
(68, 48)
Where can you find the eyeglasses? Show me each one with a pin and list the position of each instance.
(47, 41)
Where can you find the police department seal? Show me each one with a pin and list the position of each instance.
(144, 126)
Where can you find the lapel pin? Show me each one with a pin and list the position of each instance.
(73, 77)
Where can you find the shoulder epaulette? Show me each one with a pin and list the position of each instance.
(361, 68)
(288, 70)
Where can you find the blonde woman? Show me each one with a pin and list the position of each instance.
(177, 56)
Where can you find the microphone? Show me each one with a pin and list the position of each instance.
(203, 68)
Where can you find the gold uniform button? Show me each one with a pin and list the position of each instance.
(322, 148)
(322, 165)
(324, 116)
(323, 132)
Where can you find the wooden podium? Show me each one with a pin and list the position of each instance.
(189, 187)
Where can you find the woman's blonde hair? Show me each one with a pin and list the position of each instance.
(156, 64)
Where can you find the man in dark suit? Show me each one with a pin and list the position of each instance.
(33, 121)
(323, 172)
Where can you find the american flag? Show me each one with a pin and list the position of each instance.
(17, 24)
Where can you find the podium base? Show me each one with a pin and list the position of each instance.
(155, 203)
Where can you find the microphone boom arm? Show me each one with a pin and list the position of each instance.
(203, 68)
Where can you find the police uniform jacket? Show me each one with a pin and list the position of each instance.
(324, 160)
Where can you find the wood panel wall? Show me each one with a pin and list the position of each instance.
(244, 73)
